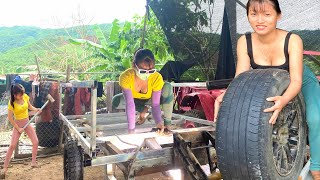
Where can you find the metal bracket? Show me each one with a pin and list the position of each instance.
(182, 150)
(209, 138)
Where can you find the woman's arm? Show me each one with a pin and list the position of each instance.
(243, 59)
(296, 71)
(130, 108)
(155, 103)
(156, 110)
(31, 107)
(243, 64)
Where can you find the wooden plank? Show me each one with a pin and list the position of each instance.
(104, 115)
(197, 120)
(109, 127)
(142, 155)
(80, 84)
(151, 143)
(122, 117)
(113, 150)
(44, 151)
(118, 120)
(205, 128)
(138, 138)
(150, 166)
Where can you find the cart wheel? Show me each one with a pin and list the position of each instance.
(196, 114)
(248, 147)
(72, 160)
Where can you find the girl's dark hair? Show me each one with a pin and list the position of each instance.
(275, 4)
(144, 56)
(15, 90)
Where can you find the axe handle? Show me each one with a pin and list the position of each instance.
(37, 113)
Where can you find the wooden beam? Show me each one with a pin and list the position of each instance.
(151, 143)
(197, 120)
(113, 150)
(109, 95)
(138, 139)
(109, 127)
(68, 73)
(105, 115)
(142, 155)
(45, 151)
(38, 67)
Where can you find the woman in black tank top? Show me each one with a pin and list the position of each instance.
(269, 47)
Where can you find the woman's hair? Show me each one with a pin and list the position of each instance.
(144, 56)
(15, 90)
(274, 3)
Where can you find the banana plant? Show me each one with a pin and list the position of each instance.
(112, 48)
(117, 48)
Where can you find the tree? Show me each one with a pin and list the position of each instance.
(123, 40)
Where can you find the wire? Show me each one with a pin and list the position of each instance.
(134, 157)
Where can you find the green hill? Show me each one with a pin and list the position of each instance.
(19, 44)
(18, 36)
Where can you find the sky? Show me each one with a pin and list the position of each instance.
(66, 13)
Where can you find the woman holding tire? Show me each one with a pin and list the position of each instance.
(271, 48)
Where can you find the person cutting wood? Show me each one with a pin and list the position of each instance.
(141, 86)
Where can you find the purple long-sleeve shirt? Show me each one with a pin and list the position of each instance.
(131, 108)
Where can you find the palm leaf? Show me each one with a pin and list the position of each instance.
(100, 36)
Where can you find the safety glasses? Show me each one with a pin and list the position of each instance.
(143, 71)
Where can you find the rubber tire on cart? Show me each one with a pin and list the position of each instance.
(196, 114)
(72, 160)
(48, 133)
(248, 147)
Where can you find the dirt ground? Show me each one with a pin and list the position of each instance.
(52, 169)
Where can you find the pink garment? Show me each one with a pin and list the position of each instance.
(51, 111)
(82, 98)
(156, 110)
(15, 138)
(130, 108)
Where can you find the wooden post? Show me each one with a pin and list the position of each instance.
(61, 143)
(109, 94)
(93, 132)
(68, 73)
(38, 67)
(60, 110)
